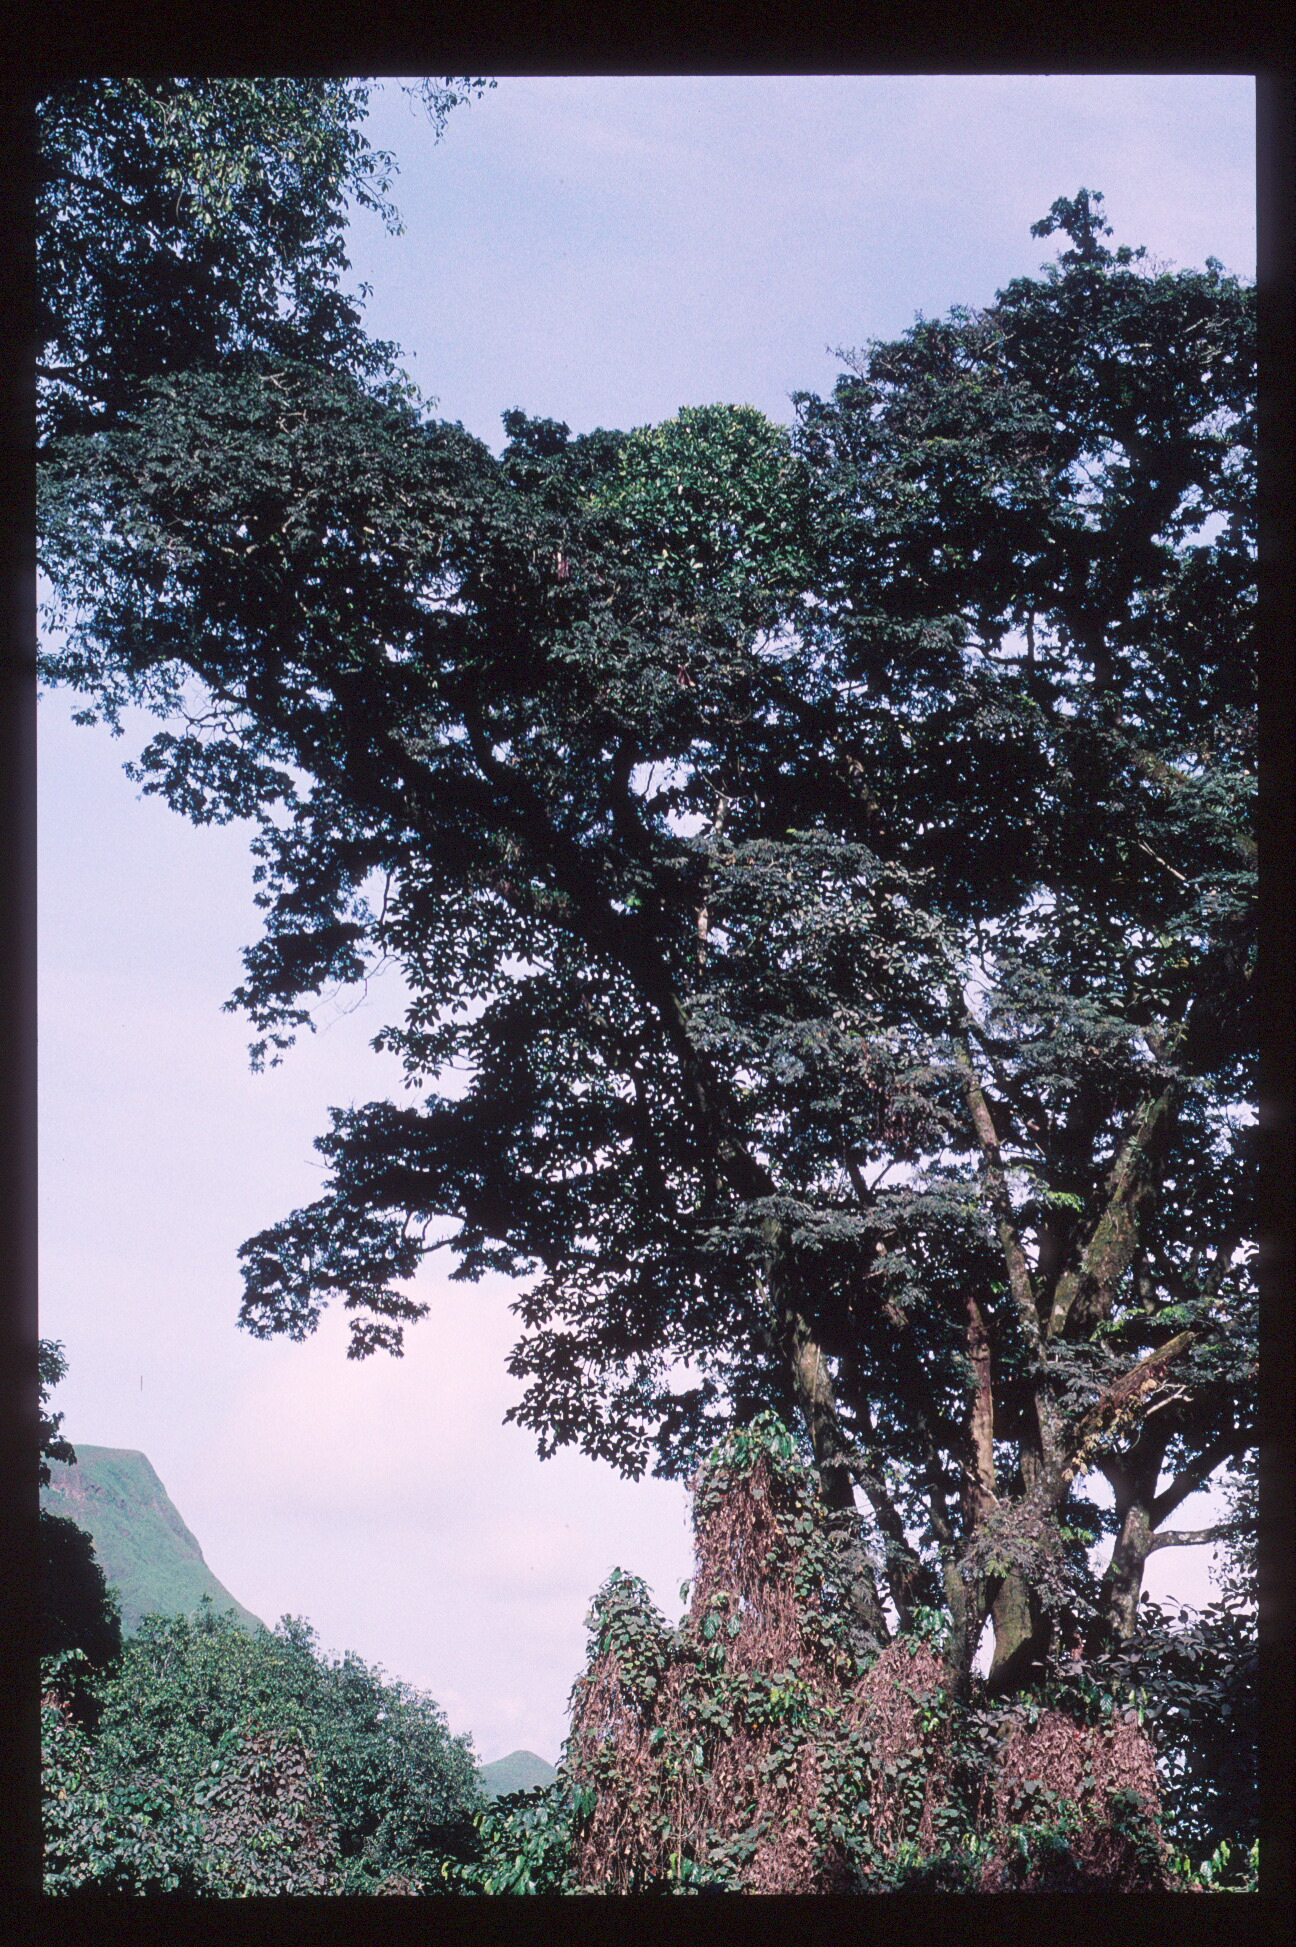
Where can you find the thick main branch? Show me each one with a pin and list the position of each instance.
(1117, 1403)
(1084, 1293)
(995, 1182)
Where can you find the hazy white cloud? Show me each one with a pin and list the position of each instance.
(462, 1553)
(607, 251)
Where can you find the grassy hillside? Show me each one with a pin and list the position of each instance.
(156, 1566)
(518, 1772)
(145, 1550)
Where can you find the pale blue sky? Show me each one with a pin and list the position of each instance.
(603, 251)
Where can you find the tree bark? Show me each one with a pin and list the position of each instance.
(812, 1389)
(1022, 1633)
(1084, 1293)
(1123, 1582)
(980, 1496)
(1140, 1511)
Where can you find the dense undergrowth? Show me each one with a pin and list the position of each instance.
(750, 1749)
(213, 1762)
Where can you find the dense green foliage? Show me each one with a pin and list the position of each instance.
(103, 1832)
(253, 1823)
(821, 868)
(525, 1843)
(196, 224)
(78, 1610)
(225, 1762)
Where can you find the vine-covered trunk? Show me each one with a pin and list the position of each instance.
(809, 1382)
(1022, 1631)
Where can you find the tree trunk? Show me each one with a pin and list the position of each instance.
(1022, 1618)
(1123, 1582)
(812, 1385)
(1022, 1633)
(1133, 1481)
(812, 1388)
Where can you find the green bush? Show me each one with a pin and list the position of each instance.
(106, 1831)
(524, 1844)
(296, 1772)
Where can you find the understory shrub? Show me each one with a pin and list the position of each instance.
(752, 1750)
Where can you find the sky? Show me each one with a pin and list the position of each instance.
(602, 251)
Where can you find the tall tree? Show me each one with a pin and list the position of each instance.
(820, 866)
(190, 224)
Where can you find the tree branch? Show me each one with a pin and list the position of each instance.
(995, 1180)
(1173, 781)
(818, 721)
(1190, 1480)
(65, 375)
(1180, 1538)
(1122, 1398)
(133, 214)
(962, 1614)
(903, 1565)
(632, 947)
(980, 1493)
(635, 949)
(1087, 1290)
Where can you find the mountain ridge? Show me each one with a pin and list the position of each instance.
(150, 1558)
(520, 1771)
(154, 1563)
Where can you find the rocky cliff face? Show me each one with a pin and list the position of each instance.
(148, 1555)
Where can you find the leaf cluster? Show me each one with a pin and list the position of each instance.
(191, 223)
(304, 1773)
(750, 1750)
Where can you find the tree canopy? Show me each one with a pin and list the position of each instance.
(820, 865)
(188, 224)
(227, 1763)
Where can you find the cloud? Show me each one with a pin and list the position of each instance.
(386, 1500)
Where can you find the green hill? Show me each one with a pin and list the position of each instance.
(156, 1567)
(520, 1771)
(145, 1550)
